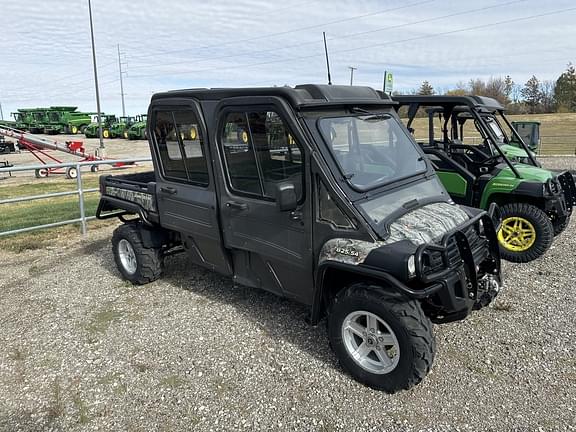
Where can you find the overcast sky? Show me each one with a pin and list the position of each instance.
(46, 59)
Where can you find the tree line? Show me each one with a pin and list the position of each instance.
(533, 97)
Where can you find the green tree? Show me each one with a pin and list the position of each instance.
(565, 91)
(532, 94)
(426, 89)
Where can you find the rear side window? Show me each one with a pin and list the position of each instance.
(261, 153)
(181, 147)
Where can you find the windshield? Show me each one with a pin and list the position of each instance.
(372, 149)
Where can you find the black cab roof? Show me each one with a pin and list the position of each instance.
(300, 96)
(479, 103)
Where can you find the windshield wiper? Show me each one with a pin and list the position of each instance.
(376, 117)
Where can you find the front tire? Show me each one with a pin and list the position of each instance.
(560, 225)
(137, 263)
(526, 232)
(381, 338)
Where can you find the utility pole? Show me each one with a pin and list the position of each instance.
(352, 69)
(1, 112)
(121, 83)
(101, 152)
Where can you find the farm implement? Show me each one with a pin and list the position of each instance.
(40, 147)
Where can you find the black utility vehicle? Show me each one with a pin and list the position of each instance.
(316, 193)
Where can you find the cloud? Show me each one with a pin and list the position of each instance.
(46, 57)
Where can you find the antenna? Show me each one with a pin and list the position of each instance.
(327, 61)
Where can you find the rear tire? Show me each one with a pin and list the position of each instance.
(399, 348)
(534, 222)
(137, 263)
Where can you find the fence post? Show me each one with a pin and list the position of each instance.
(81, 199)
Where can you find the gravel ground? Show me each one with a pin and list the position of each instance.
(559, 162)
(80, 349)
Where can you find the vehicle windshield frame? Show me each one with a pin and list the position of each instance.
(385, 115)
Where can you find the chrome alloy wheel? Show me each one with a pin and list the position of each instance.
(370, 341)
(127, 256)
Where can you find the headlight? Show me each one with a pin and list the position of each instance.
(411, 265)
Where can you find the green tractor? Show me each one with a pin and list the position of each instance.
(535, 203)
(120, 128)
(92, 130)
(138, 129)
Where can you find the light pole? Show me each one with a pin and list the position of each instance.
(352, 69)
(101, 153)
(1, 112)
(121, 83)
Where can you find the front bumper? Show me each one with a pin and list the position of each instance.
(468, 275)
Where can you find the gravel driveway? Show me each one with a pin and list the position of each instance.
(80, 349)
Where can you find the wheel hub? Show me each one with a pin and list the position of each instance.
(370, 342)
(517, 234)
(127, 256)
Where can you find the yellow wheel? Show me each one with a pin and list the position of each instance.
(125, 135)
(193, 133)
(244, 137)
(517, 234)
(526, 232)
(106, 133)
(74, 130)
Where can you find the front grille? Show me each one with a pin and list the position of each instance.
(433, 261)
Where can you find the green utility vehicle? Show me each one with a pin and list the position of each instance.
(57, 117)
(536, 203)
(138, 129)
(317, 193)
(92, 130)
(120, 127)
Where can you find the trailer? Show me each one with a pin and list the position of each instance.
(39, 148)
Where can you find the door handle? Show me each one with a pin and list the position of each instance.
(169, 190)
(236, 205)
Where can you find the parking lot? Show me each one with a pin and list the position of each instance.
(83, 350)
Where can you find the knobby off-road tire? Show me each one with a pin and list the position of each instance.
(543, 232)
(560, 225)
(400, 320)
(137, 263)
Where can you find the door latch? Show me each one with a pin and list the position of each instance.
(168, 189)
(236, 205)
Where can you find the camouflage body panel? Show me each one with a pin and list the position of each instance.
(426, 224)
(143, 199)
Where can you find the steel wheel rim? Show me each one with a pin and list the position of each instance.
(127, 256)
(517, 234)
(370, 342)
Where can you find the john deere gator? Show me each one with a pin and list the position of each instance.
(536, 203)
(138, 129)
(92, 130)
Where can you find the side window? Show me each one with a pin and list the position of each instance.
(260, 153)
(169, 147)
(328, 210)
(181, 147)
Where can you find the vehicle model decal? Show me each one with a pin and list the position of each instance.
(422, 225)
(141, 198)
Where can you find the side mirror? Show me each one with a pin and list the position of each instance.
(286, 198)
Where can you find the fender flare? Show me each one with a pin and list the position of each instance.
(362, 272)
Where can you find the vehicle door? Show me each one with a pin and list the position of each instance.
(262, 151)
(185, 188)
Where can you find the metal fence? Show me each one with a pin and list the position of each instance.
(79, 191)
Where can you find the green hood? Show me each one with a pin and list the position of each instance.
(527, 172)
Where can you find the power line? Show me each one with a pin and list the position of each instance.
(269, 35)
(291, 59)
(352, 35)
